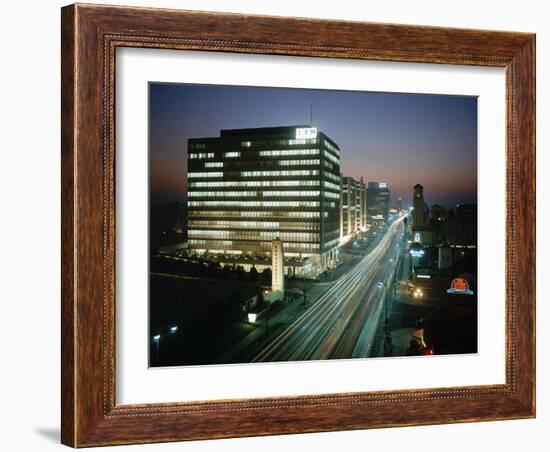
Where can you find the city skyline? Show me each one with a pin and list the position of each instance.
(283, 245)
(397, 138)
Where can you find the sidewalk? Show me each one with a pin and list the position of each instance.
(404, 276)
(404, 310)
(284, 316)
(401, 340)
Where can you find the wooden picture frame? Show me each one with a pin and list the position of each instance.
(90, 36)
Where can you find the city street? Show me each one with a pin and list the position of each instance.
(343, 321)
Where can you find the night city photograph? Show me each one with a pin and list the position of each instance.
(294, 224)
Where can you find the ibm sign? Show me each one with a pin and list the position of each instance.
(306, 133)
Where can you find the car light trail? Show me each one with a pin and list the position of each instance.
(343, 321)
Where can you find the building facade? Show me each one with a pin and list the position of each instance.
(361, 201)
(378, 201)
(354, 206)
(419, 216)
(421, 231)
(248, 187)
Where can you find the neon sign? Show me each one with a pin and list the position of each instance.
(306, 133)
(416, 250)
(460, 286)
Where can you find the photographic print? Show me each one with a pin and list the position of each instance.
(303, 224)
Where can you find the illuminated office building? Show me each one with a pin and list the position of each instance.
(354, 200)
(361, 201)
(378, 201)
(249, 186)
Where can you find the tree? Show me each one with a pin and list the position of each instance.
(226, 272)
(266, 276)
(212, 269)
(240, 273)
(253, 274)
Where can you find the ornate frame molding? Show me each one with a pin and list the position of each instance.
(90, 37)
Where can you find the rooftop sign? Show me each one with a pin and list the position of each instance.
(305, 133)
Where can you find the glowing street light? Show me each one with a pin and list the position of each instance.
(252, 317)
(156, 340)
(173, 329)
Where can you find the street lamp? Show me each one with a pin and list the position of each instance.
(156, 340)
(173, 329)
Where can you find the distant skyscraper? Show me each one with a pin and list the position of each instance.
(399, 204)
(362, 203)
(249, 186)
(348, 205)
(354, 216)
(378, 201)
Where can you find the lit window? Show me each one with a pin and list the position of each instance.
(254, 183)
(223, 203)
(222, 194)
(334, 177)
(291, 193)
(232, 154)
(285, 152)
(280, 173)
(298, 162)
(212, 174)
(333, 148)
(328, 184)
(202, 155)
(329, 194)
(331, 157)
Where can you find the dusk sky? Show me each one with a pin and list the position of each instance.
(401, 139)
